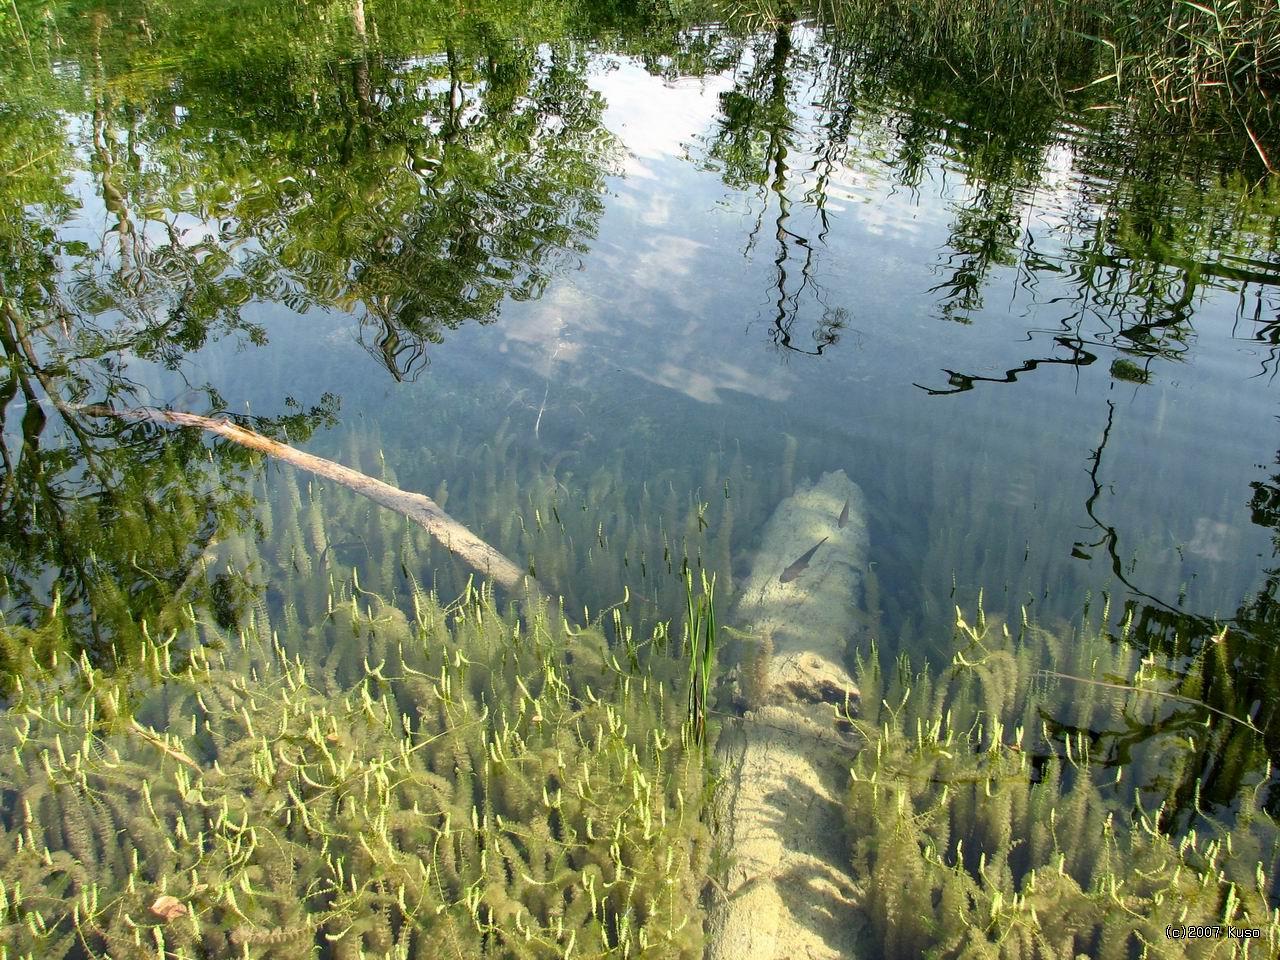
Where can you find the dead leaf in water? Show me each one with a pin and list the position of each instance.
(168, 908)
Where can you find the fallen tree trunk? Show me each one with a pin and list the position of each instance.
(422, 510)
(780, 811)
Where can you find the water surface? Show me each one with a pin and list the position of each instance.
(656, 271)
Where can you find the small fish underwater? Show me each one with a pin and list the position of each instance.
(801, 564)
(844, 515)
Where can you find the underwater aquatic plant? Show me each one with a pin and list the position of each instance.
(588, 535)
(347, 776)
(755, 671)
(430, 783)
(1128, 371)
(1000, 810)
(700, 627)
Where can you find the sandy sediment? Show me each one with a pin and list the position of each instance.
(786, 764)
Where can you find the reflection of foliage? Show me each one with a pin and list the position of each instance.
(752, 146)
(425, 186)
(756, 125)
(516, 184)
(1004, 811)
(1208, 68)
(1126, 269)
(107, 524)
(479, 187)
(1146, 228)
(1264, 506)
(111, 526)
(670, 38)
(104, 526)
(983, 236)
(322, 156)
(1236, 673)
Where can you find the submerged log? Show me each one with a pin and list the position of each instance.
(422, 510)
(780, 813)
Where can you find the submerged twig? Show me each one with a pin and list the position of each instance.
(422, 510)
(1158, 693)
(159, 742)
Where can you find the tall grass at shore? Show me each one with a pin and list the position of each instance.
(1215, 65)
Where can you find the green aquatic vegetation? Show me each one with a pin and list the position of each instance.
(353, 770)
(126, 547)
(394, 785)
(628, 524)
(1128, 371)
(1001, 809)
(344, 773)
(700, 635)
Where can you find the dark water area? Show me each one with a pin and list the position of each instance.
(650, 269)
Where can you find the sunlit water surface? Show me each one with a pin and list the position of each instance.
(702, 275)
(972, 394)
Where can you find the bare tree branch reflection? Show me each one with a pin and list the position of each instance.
(961, 382)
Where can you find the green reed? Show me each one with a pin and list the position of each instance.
(1004, 809)
(700, 632)
(1214, 64)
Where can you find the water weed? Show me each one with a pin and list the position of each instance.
(339, 774)
(999, 809)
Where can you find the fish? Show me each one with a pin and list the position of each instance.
(801, 564)
(844, 515)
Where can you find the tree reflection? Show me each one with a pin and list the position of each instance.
(414, 171)
(753, 143)
(1126, 270)
(1130, 240)
(1146, 230)
(414, 191)
(104, 523)
(1226, 664)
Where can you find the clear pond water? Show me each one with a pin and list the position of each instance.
(651, 273)
(1046, 381)
(1044, 351)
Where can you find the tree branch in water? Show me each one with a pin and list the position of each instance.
(422, 510)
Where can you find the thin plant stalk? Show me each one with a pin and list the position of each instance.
(701, 621)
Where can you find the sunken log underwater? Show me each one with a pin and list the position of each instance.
(780, 812)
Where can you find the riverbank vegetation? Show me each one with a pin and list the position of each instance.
(1211, 67)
